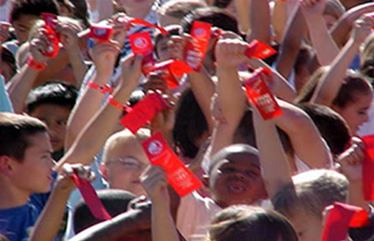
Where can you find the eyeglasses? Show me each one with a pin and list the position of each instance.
(129, 163)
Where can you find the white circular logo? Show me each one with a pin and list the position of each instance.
(155, 147)
(200, 32)
(100, 31)
(141, 43)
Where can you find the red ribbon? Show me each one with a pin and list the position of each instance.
(259, 94)
(101, 33)
(138, 21)
(172, 69)
(141, 44)
(340, 218)
(368, 168)
(143, 112)
(53, 38)
(178, 175)
(90, 197)
(259, 50)
(200, 33)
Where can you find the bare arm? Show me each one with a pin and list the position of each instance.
(290, 45)
(274, 165)
(260, 21)
(323, 43)
(101, 126)
(329, 85)
(301, 130)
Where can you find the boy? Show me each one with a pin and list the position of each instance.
(52, 103)
(25, 168)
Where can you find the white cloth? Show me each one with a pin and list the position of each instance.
(194, 216)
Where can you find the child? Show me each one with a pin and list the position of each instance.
(303, 201)
(124, 160)
(25, 168)
(52, 104)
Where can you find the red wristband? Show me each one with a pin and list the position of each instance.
(35, 65)
(115, 103)
(102, 88)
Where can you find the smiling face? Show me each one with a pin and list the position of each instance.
(356, 113)
(237, 180)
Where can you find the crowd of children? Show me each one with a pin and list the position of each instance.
(171, 120)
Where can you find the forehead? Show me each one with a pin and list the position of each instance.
(244, 160)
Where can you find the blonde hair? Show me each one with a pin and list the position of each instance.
(244, 223)
(311, 191)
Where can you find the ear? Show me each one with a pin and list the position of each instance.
(103, 171)
(205, 180)
(6, 165)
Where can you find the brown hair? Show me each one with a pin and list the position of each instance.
(247, 223)
(14, 132)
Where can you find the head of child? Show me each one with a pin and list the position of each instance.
(116, 202)
(162, 51)
(234, 176)
(304, 201)
(173, 11)
(352, 101)
(24, 13)
(242, 223)
(52, 103)
(124, 160)
(333, 11)
(217, 18)
(25, 155)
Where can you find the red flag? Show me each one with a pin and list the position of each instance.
(368, 168)
(178, 175)
(260, 95)
(340, 218)
(90, 197)
(143, 112)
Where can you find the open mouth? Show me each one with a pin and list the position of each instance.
(237, 186)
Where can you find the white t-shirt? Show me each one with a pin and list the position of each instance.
(194, 216)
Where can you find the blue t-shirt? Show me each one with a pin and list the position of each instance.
(16, 223)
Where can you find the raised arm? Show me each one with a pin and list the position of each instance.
(162, 223)
(291, 43)
(323, 43)
(316, 154)
(230, 100)
(49, 222)
(21, 83)
(274, 165)
(260, 21)
(96, 132)
(329, 84)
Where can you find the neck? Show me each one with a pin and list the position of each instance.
(11, 196)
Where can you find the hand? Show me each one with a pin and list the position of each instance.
(164, 121)
(104, 56)
(131, 71)
(4, 31)
(362, 28)
(64, 181)
(155, 184)
(351, 160)
(119, 22)
(68, 31)
(313, 7)
(230, 52)
(38, 44)
(155, 81)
